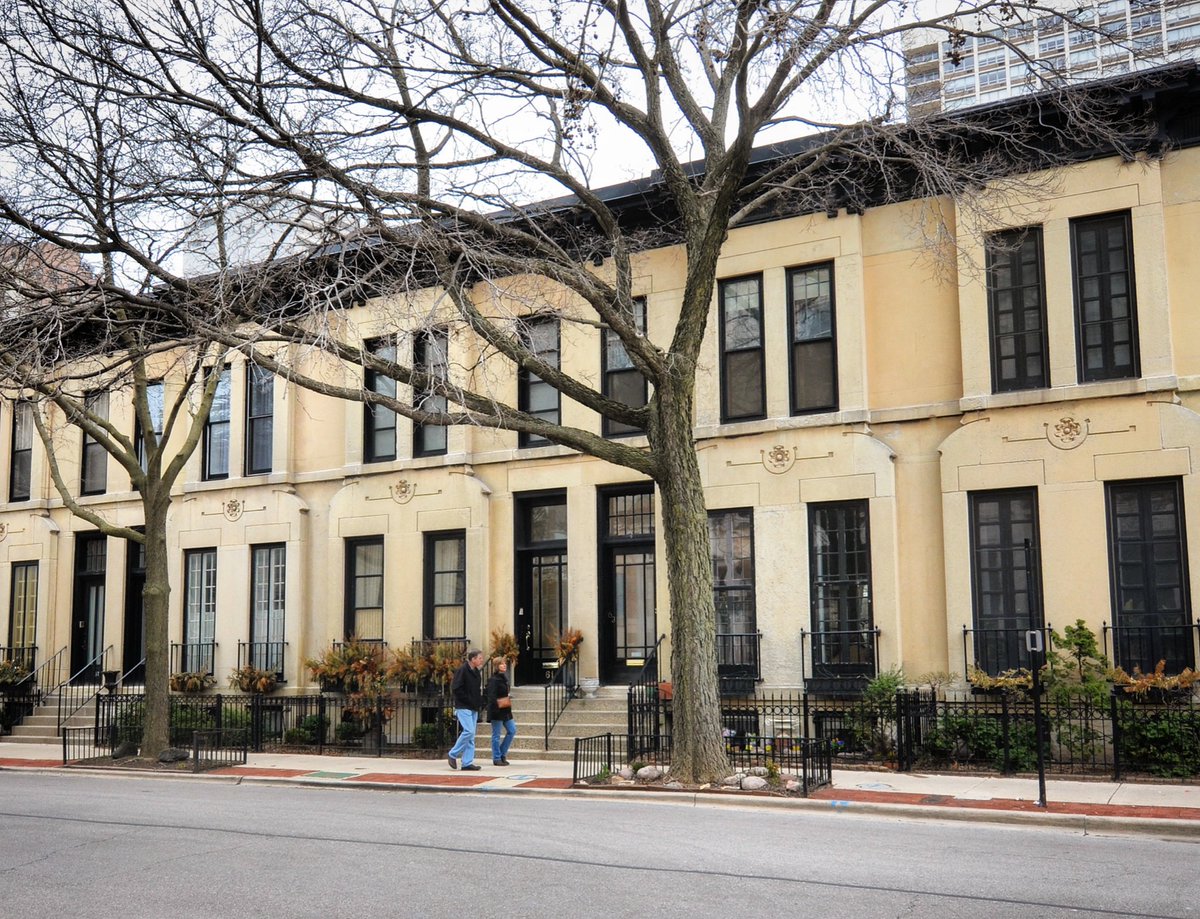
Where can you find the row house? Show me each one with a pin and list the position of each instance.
(911, 455)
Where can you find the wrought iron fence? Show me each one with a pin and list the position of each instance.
(558, 695)
(263, 655)
(838, 661)
(600, 756)
(646, 708)
(1145, 645)
(739, 656)
(995, 650)
(24, 656)
(82, 744)
(194, 657)
(16, 703)
(214, 749)
(83, 686)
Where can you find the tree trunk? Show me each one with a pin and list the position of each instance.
(698, 753)
(156, 598)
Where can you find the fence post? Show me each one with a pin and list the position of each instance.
(608, 751)
(1116, 737)
(1004, 728)
(256, 715)
(322, 725)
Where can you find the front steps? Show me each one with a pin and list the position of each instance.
(42, 726)
(605, 714)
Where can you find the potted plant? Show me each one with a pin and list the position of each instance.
(11, 673)
(191, 681)
(567, 647)
(251, 679)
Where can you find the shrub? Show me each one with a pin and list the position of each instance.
(308, 732)
(1161, 741)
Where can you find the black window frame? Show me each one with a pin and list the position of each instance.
(139, 440)
(375, 417)
(350, 593)
(196, 653)
(1000, 647)
(260, 426)
(93, 460)
(266, 652)
(725, 585)
(20, 466)
(1013, 244)
(610, 376)
(1110, 370)
(1129, 650)
(726, 381)
(431, 439)
(846, 652)
(829, 339)
(431, 606)
(215, 427)
(528, 382)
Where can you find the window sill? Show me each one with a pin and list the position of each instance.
(1071, 393)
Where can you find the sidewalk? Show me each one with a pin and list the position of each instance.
(1165, 809)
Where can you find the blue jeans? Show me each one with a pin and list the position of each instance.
(464, 747)
(500, 750)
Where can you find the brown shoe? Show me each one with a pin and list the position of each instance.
(453, 762)
(471, 767)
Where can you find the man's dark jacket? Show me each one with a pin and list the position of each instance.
(466, 689)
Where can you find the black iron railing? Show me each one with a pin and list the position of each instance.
(215, 749)
(25, 656)
(263, 655)
(647, 708)
(739, 665)
(1144, 646)
(83, 686)
(29, 692)
(839, 661)
(810, 760)
(559, 692)
(996, 650)
(424, 647)
(194, 657)
(83, 744)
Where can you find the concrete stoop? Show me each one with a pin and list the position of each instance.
(42, 726)
(582, 718)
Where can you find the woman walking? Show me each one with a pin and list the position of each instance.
(500, 711)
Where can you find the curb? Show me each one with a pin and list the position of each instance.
(1081, 823)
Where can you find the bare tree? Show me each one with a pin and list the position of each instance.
(440, 130)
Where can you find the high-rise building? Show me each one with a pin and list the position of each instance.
(1085, 41)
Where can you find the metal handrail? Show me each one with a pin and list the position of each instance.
(72, 690)
(124, 676)
(253, 652)
(204, 652)
(560, 694)
(873, 632)
(644, 706)
(38, 677)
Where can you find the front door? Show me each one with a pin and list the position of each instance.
(133, 648)
(628, 626)
(87, 620)
(541, 596)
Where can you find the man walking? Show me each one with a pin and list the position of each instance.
(468, 700)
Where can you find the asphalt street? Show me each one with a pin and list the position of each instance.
(142, 848)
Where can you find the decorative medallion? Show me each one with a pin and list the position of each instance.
(778, 460)
(403, 491)
(3, 531)
(233, 509)
(1067, 433)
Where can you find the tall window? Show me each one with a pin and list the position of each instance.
(1148, 558)
(93, 479)
(268, 591)
(216, 432)
(260, 412)
(22, 612)
(154, 402)
(21, 460)
(1016, 309)
(430, 356)
(1005, 581)
(446, 585)
(814, 352)
(840, 588)
(743, 380)
(731, 539)
(200, 610)
(622, 382)
(364, 588)
(537, 397)
(379, 423)
(1105, 306)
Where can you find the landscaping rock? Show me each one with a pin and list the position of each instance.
(733, 781)
(128, 748)
(626, 773)
(758, 770)
(792, 785)
(754, 783)
(649, 774)
(174, 755)
(674, 785)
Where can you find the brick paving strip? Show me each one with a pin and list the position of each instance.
(835, 795)
(30, 762)
(393, 778)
